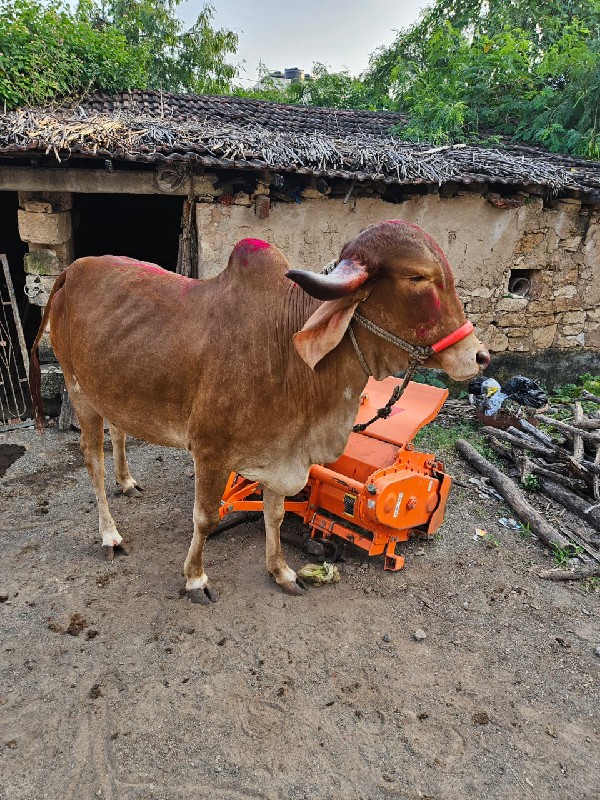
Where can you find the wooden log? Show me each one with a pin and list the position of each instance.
(583, 471)
(588, 571)
(542, 437)
(574, 429)
(583, 508)
(513, 496)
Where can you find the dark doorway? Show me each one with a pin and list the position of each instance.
(146, 227)
(15, 249)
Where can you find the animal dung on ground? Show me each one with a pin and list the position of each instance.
(318, 574)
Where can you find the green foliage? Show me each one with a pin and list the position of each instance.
(48, 51)
(562, 555)
(525, 68)
(572, 392)
(325, 89)
(531, 483)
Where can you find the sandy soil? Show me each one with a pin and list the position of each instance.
(114, 686)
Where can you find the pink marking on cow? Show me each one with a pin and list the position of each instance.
(423, 330)
(252, 245)
(247, 247)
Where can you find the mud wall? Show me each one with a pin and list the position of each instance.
(491, 244)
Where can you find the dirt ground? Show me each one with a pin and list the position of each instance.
(113, 686)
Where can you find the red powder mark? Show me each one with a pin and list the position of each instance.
(422, 331)
(252, 245)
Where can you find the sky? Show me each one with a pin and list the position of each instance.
(338, 33)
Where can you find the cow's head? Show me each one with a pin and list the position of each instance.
(405, 285)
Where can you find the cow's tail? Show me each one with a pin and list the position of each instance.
(35, 373)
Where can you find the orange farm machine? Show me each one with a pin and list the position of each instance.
(380, 491)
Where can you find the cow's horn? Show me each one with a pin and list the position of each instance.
(343, 280)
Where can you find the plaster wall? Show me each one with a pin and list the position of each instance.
(558, 247)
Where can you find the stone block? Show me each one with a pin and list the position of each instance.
(52, 382)
(46, 354)
(38, 288)
(508, 320)
(565, 291)
(310, 193)
(38, 207)
(571, 245)
(262, 189)
(496, 341)
(58, 201)
(522, 344)
(572, 330)
(41, 262)
(544, 336)
(242, 199)
(573, 317)
(65, 252)
(45, 228)
(512, 304)
(516, 332)
(540, 320)
(592, 338)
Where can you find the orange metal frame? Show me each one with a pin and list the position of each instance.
(381, 490)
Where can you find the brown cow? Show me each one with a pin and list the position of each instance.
(246, 370)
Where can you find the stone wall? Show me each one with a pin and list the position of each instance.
(45, 223)
(557, 248)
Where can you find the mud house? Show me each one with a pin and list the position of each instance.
(178, 179)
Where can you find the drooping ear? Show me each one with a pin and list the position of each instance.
(325, 329)
(346, 278)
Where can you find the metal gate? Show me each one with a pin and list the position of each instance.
(14, 365)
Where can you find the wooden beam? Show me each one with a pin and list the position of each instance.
(90, 181)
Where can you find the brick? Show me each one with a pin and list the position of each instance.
(45, 228)
(38, 207)
(263, 206)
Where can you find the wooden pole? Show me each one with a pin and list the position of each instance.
(513, 496)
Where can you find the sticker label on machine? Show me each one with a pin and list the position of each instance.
(397, 507)
(349, 503)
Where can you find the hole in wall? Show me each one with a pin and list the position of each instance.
(520, 282)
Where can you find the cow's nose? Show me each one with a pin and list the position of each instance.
(483, 358)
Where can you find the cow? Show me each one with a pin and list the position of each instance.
(258, 370)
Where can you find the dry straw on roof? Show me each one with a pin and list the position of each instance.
(134, 136)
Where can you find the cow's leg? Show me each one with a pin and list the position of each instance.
(210, 484)
(129, 486)
(92, 445)
(273, 509)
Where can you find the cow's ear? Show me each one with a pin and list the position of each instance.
(325, 329)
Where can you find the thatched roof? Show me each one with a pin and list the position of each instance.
(237, 132)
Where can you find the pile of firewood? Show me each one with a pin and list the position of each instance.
(564, 464)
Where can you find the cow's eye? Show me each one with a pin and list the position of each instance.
(418, 278)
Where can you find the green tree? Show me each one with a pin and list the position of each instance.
(324, 89)
(179, 60)
(49, 51)
(528, 68)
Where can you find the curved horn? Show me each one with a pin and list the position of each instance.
(343, 280)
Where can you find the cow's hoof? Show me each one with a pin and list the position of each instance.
(110, 550)
(295, 588)
(134, 491)
(203, 597)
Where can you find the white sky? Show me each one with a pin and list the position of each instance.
(339, 33)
